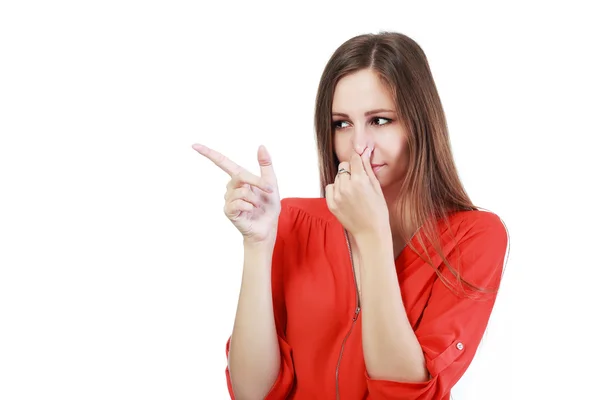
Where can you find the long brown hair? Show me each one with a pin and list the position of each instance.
(432, 189)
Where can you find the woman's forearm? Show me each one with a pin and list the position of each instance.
(254, 357)
(391, 349)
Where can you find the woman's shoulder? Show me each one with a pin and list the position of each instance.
(483, 240)
(479, 220)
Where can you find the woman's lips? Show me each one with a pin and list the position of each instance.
(376, 167)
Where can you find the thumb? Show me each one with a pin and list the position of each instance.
(266, 165)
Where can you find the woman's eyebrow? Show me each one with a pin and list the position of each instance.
(376, 111)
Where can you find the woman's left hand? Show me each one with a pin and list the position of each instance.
(356, 198)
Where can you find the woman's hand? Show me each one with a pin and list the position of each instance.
(252, 203)
(356, 198)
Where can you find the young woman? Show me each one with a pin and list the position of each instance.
(383, 288)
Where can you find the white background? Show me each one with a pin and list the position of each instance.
(119, 274)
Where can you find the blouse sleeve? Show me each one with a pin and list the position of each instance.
(453, 324)
(284, 382)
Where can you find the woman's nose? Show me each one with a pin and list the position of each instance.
(362, 140)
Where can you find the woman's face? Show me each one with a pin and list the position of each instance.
(364, 115)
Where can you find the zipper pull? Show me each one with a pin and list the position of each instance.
(356, 312)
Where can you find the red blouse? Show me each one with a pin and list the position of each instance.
(314, 301)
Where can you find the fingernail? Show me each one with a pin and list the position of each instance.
(270, 188)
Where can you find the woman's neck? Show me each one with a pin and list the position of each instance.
(400, 225)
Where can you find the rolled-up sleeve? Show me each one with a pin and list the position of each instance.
(285, 379)
(453, 323)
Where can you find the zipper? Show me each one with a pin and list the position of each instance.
(354, 318)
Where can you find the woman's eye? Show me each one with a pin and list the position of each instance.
(381, 121)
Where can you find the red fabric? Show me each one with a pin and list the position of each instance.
(314, 303)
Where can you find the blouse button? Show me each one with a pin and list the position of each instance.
(459, 346)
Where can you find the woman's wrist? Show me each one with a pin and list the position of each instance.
(259, 246)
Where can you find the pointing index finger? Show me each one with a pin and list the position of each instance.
(219, 159)
(231, 168)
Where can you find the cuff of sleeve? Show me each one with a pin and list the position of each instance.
(384, 389)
